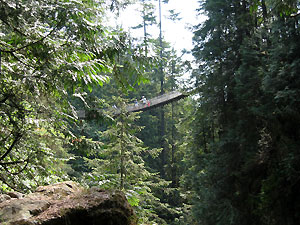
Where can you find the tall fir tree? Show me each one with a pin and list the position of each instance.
(236, 151)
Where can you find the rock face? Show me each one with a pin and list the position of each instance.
(66, 203)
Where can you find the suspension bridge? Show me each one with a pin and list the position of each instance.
(151, 103)
(156, 101)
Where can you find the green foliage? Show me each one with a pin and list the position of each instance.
(243, 155)
(119, 163)
(49, 49)
(283, 8)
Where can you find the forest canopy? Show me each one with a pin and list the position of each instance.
(49, 51)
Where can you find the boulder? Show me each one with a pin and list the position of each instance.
(4, 197)
(67, 203)
(14, 194)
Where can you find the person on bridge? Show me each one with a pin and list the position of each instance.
(136, 104)
(144, 100)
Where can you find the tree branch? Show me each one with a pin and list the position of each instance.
(18, 137)
(15, 29)
(32, 43)
(295, 15)
(12, 187)
(11, 163)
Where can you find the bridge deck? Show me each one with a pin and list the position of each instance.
(157, 101)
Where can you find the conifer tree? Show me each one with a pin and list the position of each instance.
(236, 150)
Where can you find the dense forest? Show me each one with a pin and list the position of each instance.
(227, 154)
